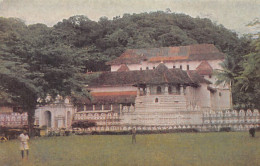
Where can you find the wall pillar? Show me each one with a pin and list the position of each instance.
(181, 90)
(53, 119)
(166, 89)
(102, 107)
(94, 108)
(148, 90)
(138, 91)
(111, 107)
(120, 108)
(85, 108)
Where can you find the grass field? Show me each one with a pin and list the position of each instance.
(178, 149)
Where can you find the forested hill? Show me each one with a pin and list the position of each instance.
(109, 38)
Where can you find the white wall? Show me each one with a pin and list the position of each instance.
(58, 111)
(192, 65)
(203, 96)
(224, 99)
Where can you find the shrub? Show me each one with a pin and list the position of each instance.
(225, 129)
(83, 124)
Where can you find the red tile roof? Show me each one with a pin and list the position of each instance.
(121, 93)
(112, 97)
(160, 75)
(181, 53)
(123, 67)
(204, 68)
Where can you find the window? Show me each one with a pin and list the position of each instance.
(219, 94)
(141, 68)
(147, 68)
(170, 90)
(173, 67)
(209, 76)
(156, 100)
(153, 67)
(159, 90)
(188, 67)
(181, 67)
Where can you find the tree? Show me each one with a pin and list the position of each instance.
(32, 69)
(226, 75)
(248, 81)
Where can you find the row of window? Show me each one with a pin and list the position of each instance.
(188, 67)
(170, 90)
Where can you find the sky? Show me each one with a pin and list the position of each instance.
(233, 14)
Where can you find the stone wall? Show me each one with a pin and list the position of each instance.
(235, 120)
(211, 121)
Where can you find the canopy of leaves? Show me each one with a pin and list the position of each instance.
(247, 83)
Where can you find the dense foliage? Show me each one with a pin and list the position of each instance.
(33, 68)
(37, 60)
(83, 124)
(247, 85)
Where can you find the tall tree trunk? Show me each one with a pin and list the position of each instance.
(31, 118)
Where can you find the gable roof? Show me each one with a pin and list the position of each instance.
(123, 67)
(169, 54)
(204, 68)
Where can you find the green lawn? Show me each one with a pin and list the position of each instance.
(199, 149)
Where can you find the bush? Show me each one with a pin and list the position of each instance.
(225, 129)
(144, 132)
(83, 124)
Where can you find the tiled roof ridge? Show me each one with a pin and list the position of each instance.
(174, 53)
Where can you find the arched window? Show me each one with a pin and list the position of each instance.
(156, 100)
(159, 90)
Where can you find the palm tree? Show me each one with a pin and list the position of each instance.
(226, 75)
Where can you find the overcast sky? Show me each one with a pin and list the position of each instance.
(233, 14)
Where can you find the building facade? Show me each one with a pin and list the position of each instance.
(157, 88)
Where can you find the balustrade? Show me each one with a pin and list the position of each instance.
(232, 117)
(13, 119)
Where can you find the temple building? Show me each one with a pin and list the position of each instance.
(150, 88)
(160, 86)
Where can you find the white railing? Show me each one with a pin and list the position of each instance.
(231, 117)
(13, 119)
